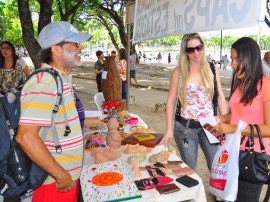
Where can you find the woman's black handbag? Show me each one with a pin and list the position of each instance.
(254, 167)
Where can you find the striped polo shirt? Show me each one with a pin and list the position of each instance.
(38, 98)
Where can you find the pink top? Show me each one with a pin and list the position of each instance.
(251, 113)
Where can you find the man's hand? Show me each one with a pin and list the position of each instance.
(64, 182)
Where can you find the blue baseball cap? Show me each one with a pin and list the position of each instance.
(57, 32)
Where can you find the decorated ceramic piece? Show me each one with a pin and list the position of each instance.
(93, 183)
(134, 149)
(105, 154)
(159, 157)
(138, 158)
(113, 138)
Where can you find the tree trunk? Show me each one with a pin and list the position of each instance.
(29, 39)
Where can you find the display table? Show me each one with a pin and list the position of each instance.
(196, 193)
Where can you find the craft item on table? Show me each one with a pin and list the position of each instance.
(112, 86)
(161, 180)
(112, 107)
(137, 172)
(172, 166)
(148, 143)
(143, 136)
(171, 149)
(182, 171)
(154, 172)
(95, 124)
(165, 166)
(113, 138)
(134, 149)
(105, 154)
(132, 120)
(167, 188)
(158, 165)
(137, 158)
(141, 130)
(123, 113)
(152, 182)
(94, 140)
(165, 171)
(159, 157)
(120, 185)
(145, 184)
(107, 178)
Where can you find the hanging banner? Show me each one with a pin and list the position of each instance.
(161, 18)
(267, 15)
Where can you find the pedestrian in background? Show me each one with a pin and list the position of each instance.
(99, 66)
(195, 89)
(133, 69)
(159, 57)
(122, 69)
(13, 69)
(266, 64)
(144, 57)
(249, 102)
(225, 62)
(60, 44)
(169, 58)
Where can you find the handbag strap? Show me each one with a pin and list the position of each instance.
(250, 141)
(267, 196)
(260, 137)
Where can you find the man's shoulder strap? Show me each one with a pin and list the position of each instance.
(59, 84)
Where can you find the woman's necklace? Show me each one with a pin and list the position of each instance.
(8, 66)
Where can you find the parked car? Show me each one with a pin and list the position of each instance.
(151, 56)
(85, 53)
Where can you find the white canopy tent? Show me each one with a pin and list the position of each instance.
(161, 18)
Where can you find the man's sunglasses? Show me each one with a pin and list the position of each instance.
(190, 50)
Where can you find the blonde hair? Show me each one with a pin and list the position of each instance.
(183, 65)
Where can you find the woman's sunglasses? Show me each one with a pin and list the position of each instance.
(190, 50)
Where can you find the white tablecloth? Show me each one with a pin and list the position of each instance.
(196, 193)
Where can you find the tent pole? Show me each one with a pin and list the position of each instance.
(220, 49)
(128, 66)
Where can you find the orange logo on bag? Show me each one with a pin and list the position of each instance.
(223, 157)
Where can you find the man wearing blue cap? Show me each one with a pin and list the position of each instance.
(60, 48)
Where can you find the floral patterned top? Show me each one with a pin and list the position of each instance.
(199, 102)
(10, 78)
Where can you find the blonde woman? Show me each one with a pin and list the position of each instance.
(195, 90)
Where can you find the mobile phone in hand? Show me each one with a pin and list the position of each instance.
(209, 127)
(187, 181)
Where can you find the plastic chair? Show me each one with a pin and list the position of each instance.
(99, 98)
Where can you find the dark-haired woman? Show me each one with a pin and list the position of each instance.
(250, 102)
(13, 69)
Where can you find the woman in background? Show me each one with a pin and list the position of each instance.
(122, 69)
(195, 88)
(13, 69)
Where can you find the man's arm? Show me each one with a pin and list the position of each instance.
(34, 147)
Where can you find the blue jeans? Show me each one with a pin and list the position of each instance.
(189, 152)
(124, 92)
